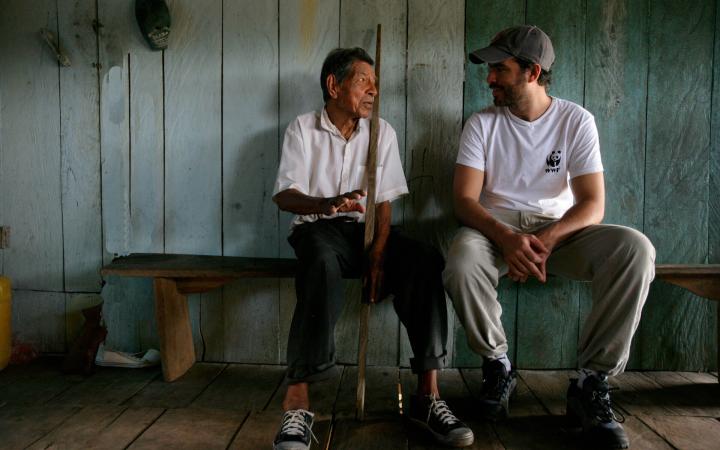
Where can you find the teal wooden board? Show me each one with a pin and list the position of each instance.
(434, 121)
(548, 315)
(212, 326)
(129, 314)
(80, 147)
(193, 140)
(483, 19)
(30, 140)
(250, 156)
(676, 180)
(616, 89)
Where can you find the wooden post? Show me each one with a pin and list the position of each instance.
(177, 350)
(369, 231)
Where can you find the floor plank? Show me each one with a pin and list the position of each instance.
(34, 383)
(371, 434)
(125, 429)
(191, 428)
(687, 433)
(643, 437)
(550, 387)
(686, 397)
(21, 426)
(108, 386)
(242, 388)
(79, 429)
(181, 392)
(381, 393)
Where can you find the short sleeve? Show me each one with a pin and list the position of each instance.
(585, 155)
(391, 184)
(472, 145)
(293, 170)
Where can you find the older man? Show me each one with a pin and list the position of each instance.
(322, 180)
(529, 191)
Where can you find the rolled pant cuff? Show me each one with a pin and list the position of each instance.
(420, 365)
(311, 375)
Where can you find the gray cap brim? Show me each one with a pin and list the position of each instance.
(490, 55)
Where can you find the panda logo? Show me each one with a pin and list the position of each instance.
(553, 161)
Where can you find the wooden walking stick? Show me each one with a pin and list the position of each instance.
(371, 171)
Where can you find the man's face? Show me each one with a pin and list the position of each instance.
(507, 81)
(356, 94)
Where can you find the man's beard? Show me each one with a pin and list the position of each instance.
(511, 95)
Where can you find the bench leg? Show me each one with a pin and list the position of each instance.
(177, 350)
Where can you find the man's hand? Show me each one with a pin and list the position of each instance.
(525, 255)
(374, 274)
(347, 202)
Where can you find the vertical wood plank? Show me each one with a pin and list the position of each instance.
(484, 19)
(212, 322)
(251, 321)
(714, 203)
(250, 127)
(615, 89)
(147, 140)
(250, 160)
(114, 30)
(80, 142)
(129, 314)
(309, 29)
(38, 318)
(676, 181)
(434, 123)
(548, 314)
(30, 179)
(193, 177)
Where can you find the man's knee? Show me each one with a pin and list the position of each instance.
(637, 247)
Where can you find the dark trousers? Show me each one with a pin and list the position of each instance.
(330, 250)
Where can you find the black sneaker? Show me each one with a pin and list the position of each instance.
(590, 408)
(295, 431)
(433, 415)
(498, 387)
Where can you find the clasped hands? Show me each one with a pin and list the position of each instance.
(526, 255)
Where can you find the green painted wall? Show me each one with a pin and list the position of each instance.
(176, 151)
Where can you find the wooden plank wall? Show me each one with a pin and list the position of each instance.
(133, 150)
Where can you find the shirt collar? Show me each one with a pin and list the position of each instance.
(326, 124)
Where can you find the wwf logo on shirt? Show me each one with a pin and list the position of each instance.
(553, 161)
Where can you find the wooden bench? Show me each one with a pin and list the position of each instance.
(175, 276)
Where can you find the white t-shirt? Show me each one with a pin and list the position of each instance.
(318, 161)
(528, 165)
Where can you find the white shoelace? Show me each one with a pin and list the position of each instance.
(294, 424)
(441, 410)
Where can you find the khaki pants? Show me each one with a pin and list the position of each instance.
(619, 261)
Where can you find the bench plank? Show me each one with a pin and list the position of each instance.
(199, 266)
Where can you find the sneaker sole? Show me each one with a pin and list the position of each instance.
(466, 441)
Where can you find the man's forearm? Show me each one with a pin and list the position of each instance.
(578, 217)
(296, 202)
(472, 214)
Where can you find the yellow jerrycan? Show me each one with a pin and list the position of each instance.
(5, 317)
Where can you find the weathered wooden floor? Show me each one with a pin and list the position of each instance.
(239, 407)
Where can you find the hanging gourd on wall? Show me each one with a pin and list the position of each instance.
(153, 17)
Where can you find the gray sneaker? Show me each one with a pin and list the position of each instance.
(590, 408)
(295, 431)
(498, 386)
(434, 416)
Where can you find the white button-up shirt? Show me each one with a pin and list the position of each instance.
(318, 161)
